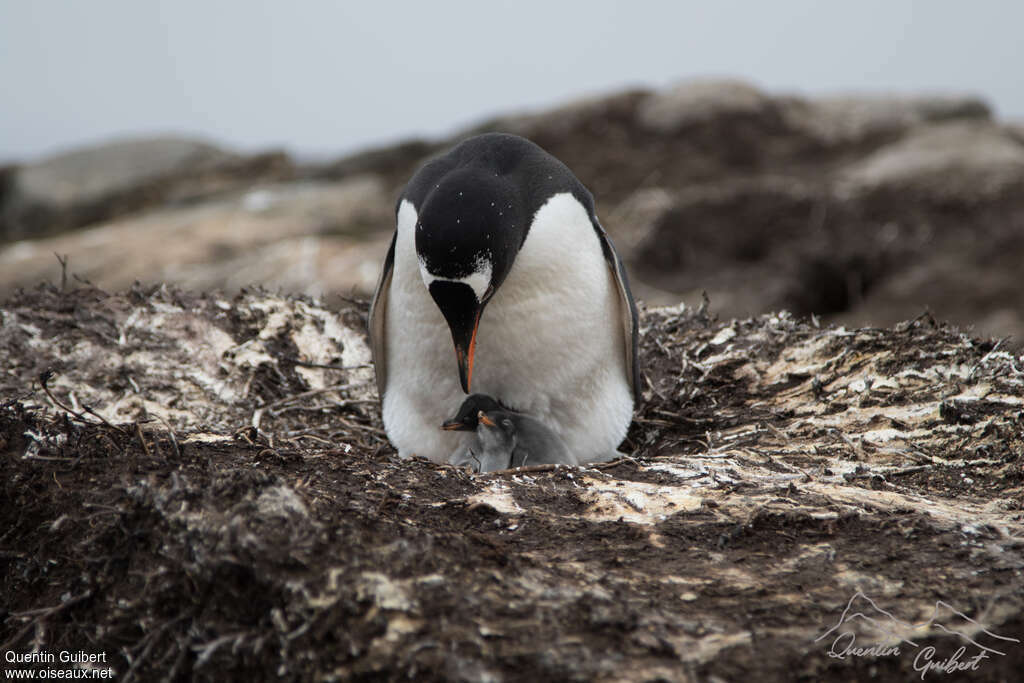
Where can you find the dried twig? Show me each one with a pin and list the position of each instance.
(307, 364)
(63, 271)
(357, 426)
(170, 432)
(101, 418)
(206, 650)
(528, 470)
(306, 435)
(142, 440)
(868, 473)
(40, 614)
(610, 464)
(305, 394)
(986, 357)
(344, 403)
(149, 640)
(906, 470)
(45, 377)
(247, 434)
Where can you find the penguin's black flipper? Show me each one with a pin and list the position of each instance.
(378, 317)
(629, 317)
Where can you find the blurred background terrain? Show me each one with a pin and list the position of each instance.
(861, 164)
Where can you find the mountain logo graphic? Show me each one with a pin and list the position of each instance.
(888, 633)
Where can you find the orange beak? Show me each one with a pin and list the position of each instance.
(482, 416)
(461, 309)
(465, 352)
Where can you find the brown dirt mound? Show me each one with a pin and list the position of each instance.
(778, 469)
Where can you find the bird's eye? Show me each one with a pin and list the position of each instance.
(507, 424)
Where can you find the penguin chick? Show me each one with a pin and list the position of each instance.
(466, 419)
(509, 439)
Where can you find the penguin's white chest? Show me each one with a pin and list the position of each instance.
(550, 342)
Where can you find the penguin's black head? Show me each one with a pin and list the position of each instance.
(470, 228)
(467, 420)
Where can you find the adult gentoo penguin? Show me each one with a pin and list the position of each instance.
(501, 280)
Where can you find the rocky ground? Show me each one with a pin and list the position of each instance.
(862, 209)
(198, 486)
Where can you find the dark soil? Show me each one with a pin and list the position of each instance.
(323, 556)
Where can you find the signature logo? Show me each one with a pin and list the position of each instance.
(888, 636)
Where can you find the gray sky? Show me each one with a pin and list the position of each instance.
(323, 77)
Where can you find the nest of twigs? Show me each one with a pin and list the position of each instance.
(199, 487)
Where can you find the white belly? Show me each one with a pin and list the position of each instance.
(549, 343)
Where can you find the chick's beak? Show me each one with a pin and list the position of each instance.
(482, 416)
(453, 426)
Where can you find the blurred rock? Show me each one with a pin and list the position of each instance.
(763, 243)
(1015, 129)
(97, 183)
(945, 162)
(637, 217)
(861, 207)
(595, 114)
(852, 119)
(727, 222)
(700, 101)
(311, 237)
(391, 162)
(985, 295)
(88, 174)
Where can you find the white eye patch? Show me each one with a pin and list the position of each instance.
(479, 280)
